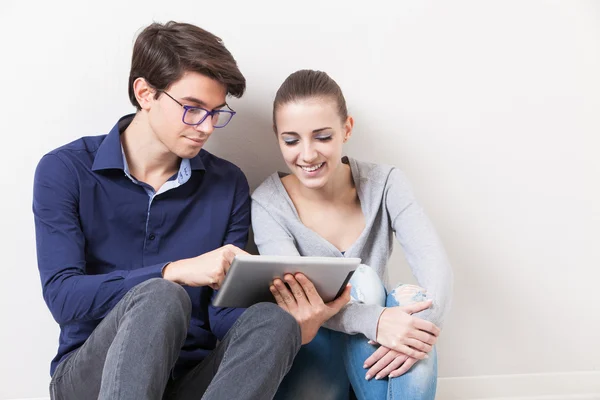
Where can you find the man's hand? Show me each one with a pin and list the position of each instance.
(208, 269)
(386, 362)
(305, 304)
(398, 330)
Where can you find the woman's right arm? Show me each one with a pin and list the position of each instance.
(269, 235)
(272, 238)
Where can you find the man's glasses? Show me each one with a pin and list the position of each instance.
(196, 115)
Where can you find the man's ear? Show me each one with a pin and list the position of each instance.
(348, 126)
(144, 93)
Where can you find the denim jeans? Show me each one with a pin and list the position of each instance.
(323, 368)
(132, 351)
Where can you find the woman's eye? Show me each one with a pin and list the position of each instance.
(324, 138)
(290, 142)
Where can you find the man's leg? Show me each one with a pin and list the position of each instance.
(249, 363)
(131, 352)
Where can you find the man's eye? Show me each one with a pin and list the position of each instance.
(195, 111)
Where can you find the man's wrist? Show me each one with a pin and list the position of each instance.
(169, 272)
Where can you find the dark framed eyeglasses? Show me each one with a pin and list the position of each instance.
(196, 115)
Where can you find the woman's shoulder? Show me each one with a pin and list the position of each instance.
(375, 173)
(268, 189)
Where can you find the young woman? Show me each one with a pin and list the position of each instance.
(337, 206)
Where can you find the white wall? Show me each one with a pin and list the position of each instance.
(491, 108)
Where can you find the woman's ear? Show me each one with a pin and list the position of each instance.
(144, 93)
(348, 125)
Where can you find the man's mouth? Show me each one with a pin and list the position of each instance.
(196, 140)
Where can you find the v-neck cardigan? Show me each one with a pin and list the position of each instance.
(389, 207)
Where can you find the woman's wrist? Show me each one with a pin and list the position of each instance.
(378, 322)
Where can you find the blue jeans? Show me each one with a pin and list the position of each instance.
(323, 368)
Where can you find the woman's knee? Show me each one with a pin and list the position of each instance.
(405, 294)
(367, 286)
(421, 380)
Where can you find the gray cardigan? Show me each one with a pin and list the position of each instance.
(389, 207)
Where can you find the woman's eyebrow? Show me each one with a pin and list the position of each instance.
(314, 131)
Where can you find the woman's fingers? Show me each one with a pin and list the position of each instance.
(416, 307)
(297, 290)
(409, 351)
(381, 364)
(287, 296)
(394, 365)
(424, 337)
(426, 326)
(309, 289)
(278, 297)
(404, 368)
(376, 356)
(418, 345)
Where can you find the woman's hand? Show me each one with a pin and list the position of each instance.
(304, 303)
(398, 330)
(386, 362)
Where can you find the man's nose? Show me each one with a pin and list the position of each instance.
(206, 126)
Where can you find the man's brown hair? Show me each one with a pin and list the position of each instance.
(164, 52)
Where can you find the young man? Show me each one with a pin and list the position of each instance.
(136, 228)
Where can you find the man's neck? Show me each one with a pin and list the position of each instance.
(148, 159)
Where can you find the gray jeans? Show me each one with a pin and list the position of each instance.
(132, 351)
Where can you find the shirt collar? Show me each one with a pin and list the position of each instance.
(110, 153)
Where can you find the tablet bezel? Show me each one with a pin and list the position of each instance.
(248, 279)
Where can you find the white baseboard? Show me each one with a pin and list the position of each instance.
(556, 386)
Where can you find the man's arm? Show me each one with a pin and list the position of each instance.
(221, 319)
(71, 294)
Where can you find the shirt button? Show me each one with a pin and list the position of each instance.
(152, 237)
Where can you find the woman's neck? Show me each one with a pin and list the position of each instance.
(339, 189)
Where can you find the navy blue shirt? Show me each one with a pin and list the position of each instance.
(100, 232)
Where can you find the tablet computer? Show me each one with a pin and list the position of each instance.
(249, 277)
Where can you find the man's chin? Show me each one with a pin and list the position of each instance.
(189, 153)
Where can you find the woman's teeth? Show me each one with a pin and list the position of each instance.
(313, 168)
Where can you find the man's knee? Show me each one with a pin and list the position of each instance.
(273, 322)
(165, 299)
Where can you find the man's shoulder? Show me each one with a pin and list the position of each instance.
(219, 166)
(65, 165)
(82, 148)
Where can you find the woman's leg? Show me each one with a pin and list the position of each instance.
(318, 371)
(366, 288)
(420, 382)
